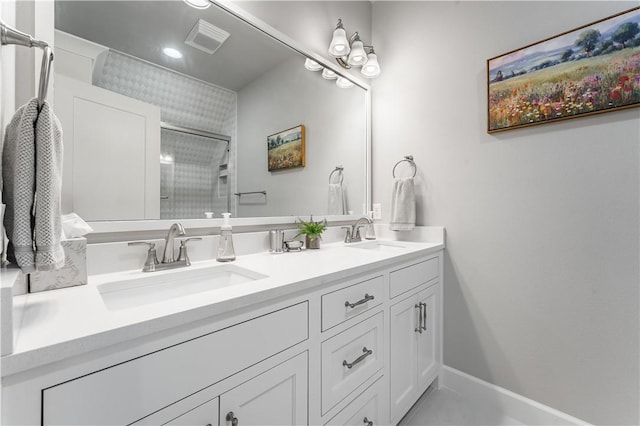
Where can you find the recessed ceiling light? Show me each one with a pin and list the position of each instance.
(198, 4)
(172, 53)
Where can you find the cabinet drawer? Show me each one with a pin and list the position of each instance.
(205, 414)
(404, 279)
(350, 358)
(368, 405)
(129, 391)
(348, 302)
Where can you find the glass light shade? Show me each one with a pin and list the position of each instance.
(372, 68)
(198, 4)
(312, 65)
(329, 74)
(343, 83)
(339, 44)
(172, 53)
(357, 56)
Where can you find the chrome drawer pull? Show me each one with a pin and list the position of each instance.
(367, 422)
(424, 316)
(232, 418)
(367, 297)
(366, 353)
(419, 328)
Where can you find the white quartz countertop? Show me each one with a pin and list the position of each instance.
(55, 325)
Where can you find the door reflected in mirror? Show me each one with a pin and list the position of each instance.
(153, 136)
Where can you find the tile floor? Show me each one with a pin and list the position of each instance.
(446, 407)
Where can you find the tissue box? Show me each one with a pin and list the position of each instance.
(73, 273)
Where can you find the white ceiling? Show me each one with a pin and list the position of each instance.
(143, 28)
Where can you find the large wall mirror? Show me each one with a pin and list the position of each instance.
(157, 134)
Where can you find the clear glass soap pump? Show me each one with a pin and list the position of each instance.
(226, 253)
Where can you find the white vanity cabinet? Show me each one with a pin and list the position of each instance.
(358, 348)
(415, 350)
(368, 409)
(276, 397)
(129, 391)
(203, 415)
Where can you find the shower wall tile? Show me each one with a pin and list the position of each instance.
(190, 180)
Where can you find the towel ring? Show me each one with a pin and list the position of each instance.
(338, 169)
(408, 159)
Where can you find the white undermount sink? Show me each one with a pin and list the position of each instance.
(152, 288)
(378, 245)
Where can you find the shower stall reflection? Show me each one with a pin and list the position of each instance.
(194, 174)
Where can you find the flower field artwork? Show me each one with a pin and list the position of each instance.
(285, 149)
(589, 70)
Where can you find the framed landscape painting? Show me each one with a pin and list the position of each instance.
(285, 149)
(589, 70)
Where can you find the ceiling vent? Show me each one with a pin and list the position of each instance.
(206, 37)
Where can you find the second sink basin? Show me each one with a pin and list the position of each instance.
(153, 288)
(378, 245)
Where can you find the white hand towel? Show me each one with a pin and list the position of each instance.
(337, 200)
(48, 216)
(403, 205)
(18, 175)
(32, 174)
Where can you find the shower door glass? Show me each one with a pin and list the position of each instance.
(194, 175)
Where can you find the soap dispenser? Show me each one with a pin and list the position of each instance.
(226, 252)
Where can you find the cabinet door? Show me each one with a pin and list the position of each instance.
(428, 352)
(403, 338)
(276, 397)
(204, 415)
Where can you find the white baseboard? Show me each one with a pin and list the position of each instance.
(512, 404)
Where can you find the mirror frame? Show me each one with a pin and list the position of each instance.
(101, 229)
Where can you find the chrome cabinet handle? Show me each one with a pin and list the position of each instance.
(419, 308)
(366, 353)
(232, 418)
(366, 298)
(424, 316)
(367, 422)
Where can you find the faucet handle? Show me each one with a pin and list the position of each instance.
(357, 236)
(347, 237)
(182, 255)
(152, 258)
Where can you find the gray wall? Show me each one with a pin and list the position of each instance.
(335, 125)
(541, 274)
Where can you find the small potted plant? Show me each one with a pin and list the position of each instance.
(312, 231)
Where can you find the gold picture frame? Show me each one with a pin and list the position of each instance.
(286, 149)
(592, 69)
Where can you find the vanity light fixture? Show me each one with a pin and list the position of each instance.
(198, 4)
(343, 83)
(312, 65)
(352, 52)
(329, 74)
(172, 53)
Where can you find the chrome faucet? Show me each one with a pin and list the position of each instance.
(353, 231)
(169, 251)
(168, 259)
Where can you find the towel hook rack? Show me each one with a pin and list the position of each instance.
(408, 159)
(9, 35)
(338, 170)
